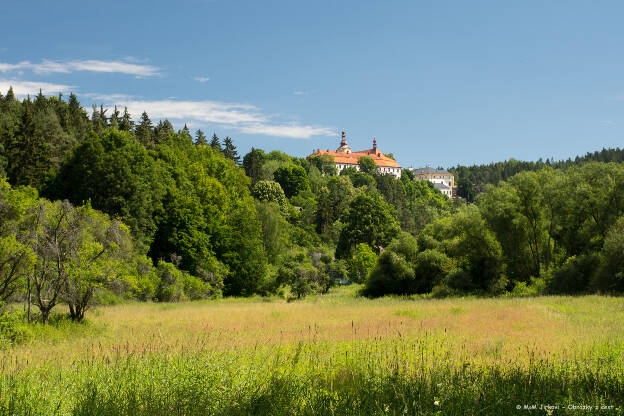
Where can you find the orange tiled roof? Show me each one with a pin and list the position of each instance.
(353, 157)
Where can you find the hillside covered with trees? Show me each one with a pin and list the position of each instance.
(472, 180)
(105, 208)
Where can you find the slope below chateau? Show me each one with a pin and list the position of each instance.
(345, 158)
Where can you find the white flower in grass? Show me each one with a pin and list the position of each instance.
(436, 402)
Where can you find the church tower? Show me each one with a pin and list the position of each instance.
(344, 147)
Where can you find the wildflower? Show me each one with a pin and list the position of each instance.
(436, 402)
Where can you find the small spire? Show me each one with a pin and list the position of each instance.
(374, 144)
(343, 142)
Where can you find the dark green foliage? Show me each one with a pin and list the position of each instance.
(200, 138)
(229, 150)
(574, 276)
(293, 180)
(252, 163)
(370, 220)
(609, 277)
(119, 177)
(163, 130)
(472, 180)
(144, 131)
(215, 143)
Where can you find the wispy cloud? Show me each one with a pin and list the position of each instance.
(23, 88)
(290, 130)
(201, 79)
(300, 93)
(245, 118)
(91, 65)
(607, 122)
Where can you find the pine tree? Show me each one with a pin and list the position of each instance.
(10, 95)
(214, 143)
(186, 130)
(162, 130)
(229, 150)
(28, 153)
(114, 120)
(144, 132)
(200, 138)
(126, 123)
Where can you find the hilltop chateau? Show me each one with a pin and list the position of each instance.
(345, 158)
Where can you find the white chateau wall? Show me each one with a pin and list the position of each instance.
(380, 169)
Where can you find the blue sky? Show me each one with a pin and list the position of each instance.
(436, 82)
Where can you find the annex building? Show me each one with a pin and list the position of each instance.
(345, 158)
(443, 180)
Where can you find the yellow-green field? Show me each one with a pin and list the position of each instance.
(329, 354)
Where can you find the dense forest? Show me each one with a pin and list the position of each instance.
(103, 208)
(472, 180)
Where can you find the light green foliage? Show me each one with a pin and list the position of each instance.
(177, 285)
(325, 164)
(362, 263)
(210, 218)
(275, 230)
(270, 191)
(367, 165)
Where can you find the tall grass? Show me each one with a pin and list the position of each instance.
(393, 356)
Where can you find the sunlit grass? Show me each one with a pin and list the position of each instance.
(337, 353)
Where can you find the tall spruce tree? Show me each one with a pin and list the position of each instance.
(144, 132)
(28, 153)
(229, 150)
(200, 138)
(126, 123)
(162, 131)
(114, 120)
(215, 143)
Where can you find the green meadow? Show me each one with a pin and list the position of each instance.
(336, 354)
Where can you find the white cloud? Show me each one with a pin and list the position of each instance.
(92, 65)
(300, 93)
(23, 88)
(291, 130)
(242, 117)
(201, 79)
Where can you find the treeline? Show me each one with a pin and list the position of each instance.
(472, 180)
(176, 217)
(104, 209)
(551, 231)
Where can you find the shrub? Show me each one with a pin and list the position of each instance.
(574, 275)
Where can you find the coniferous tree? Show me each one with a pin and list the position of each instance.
(253, 165)
(200, 138)
(126, 123)
(229, 150)
(29, 152)
(215, 143)
(144, 132)
(162, 130)
(114, 120)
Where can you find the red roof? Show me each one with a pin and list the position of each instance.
(353, 157)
